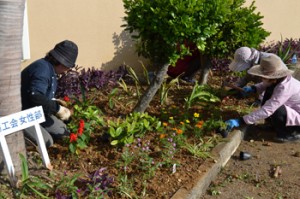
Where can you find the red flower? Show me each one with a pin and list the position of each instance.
(80, 131)
(81, 123)
(73, 137)
(66, 98)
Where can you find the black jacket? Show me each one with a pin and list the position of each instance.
(38, 86)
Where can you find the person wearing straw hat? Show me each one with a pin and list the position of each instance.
(38, 88)
(281, 99)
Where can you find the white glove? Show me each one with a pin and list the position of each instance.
(63, 113)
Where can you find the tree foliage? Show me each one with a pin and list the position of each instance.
(161, 28)
(243, 27)
(217, 27)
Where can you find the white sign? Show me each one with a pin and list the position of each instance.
(19, 121)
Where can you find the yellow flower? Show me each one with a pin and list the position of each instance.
(187, 121)
(196, 115)
(165, 124)
(171, 118)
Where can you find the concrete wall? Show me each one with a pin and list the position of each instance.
(95, 26)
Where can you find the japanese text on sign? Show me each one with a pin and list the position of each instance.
(21, 120)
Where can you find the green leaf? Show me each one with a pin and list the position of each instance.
(72, 148)
(114, 142)
(81, 145)
(25, 171)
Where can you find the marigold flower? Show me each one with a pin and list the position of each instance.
(179, 131)
(199, 124)
(73, 137)
(161, 136)
(165, 124)
(196, 115)
(66, 98)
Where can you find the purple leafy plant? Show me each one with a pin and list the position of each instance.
(98, 181)
(284, 49)
(71, 83)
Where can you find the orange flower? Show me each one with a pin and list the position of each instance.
(182, 123)
(162, 136)
(73, 137)
(179, 131)
(66, 98)
(165, 124)
(199, 124)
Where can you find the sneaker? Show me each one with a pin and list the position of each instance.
(289, 138)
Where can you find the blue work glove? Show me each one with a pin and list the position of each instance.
(248, 90)
(232, 123)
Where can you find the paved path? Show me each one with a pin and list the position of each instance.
(254, 178)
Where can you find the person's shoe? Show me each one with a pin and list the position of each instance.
(188, 80)
(288, 138)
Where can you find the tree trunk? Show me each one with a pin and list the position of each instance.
(11, 24)
(205, 68)
(155, 84)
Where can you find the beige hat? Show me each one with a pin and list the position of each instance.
(271, 67)
(244, 58)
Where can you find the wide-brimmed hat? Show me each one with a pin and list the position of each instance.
(65, 53)
(244, 58)
(270, 67)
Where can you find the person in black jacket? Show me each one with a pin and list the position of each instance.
(38, 88)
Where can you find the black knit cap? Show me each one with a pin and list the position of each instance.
(65, 53)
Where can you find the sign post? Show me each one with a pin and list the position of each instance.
(19, 121)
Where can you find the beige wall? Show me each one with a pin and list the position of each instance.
(95, 26)
(281, 17)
